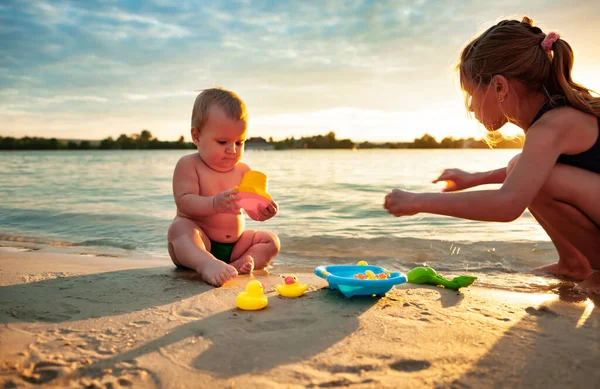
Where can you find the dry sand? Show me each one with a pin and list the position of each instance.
(104, 322)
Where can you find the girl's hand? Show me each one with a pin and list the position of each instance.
(264, 213)
(401, 203)
(225, 202)
(456, 180)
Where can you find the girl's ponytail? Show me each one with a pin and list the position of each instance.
(560, 83)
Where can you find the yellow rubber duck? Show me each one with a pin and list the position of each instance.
(253, 298)
(291, 287)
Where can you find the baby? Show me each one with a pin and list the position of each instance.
(207, 235)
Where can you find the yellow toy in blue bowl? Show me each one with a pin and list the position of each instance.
(253, 298)
(344, 278)
(291, 287)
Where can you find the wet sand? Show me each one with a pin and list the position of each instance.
(71, 320)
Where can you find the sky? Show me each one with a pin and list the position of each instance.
(367, 70)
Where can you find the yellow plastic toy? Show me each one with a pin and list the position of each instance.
(370, 275)
(252, 191)
(291, 287)
(253, 298)
(254, 182)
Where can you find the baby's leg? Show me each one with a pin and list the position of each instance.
(187, 247)
(254, 247)
(568, 209)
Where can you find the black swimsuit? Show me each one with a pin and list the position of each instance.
(588, 160)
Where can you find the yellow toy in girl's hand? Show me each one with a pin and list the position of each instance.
(450, 184)
(253, 298)
(291, 287)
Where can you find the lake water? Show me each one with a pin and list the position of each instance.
(330, 205)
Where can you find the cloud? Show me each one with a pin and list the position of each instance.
(142, 62)
(161, 95)
(64, 99)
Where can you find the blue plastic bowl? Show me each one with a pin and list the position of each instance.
(341, 277)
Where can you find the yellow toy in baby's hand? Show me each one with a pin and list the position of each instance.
(253, 298)
(291, 287)
(252, 191)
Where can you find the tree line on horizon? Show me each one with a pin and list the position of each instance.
(427, 141)
(145, 141)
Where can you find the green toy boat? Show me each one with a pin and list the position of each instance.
(426, 275)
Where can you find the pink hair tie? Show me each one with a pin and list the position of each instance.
(549, 41)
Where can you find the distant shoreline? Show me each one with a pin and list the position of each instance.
(145, 141)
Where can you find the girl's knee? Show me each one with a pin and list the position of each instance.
(551, 187)
(512, 163)
(558, 184)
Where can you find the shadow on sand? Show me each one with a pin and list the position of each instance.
(547, 348)
(96, 295)
(275, 328)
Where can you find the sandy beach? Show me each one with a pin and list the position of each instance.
(72, 320)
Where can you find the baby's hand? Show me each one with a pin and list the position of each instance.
(264, 213)
(225, 202)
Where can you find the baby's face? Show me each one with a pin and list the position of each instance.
(220, 142)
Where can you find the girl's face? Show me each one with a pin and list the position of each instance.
(220, 142)
(483, 102)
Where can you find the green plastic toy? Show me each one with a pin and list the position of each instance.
(426, 275)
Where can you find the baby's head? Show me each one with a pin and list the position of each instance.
(219, 122)
(231, 104)
(509, 61)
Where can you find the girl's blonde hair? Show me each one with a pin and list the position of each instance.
(513, 49)
(230, 102)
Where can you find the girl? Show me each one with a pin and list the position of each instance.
(514, 73)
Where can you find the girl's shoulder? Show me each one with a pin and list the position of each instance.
(560, 117)
(574, 130)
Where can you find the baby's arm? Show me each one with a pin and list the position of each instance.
(186, 189)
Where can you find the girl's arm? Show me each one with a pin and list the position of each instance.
(458, 179)
(491, 177)
(540, 152)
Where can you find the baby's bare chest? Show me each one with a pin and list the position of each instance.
(212, 183)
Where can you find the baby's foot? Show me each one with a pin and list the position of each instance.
(574, 269)
(591, 285)
(217, 273)
(244, 264)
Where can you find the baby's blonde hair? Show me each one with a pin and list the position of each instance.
(230, 102)
(513, 49)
